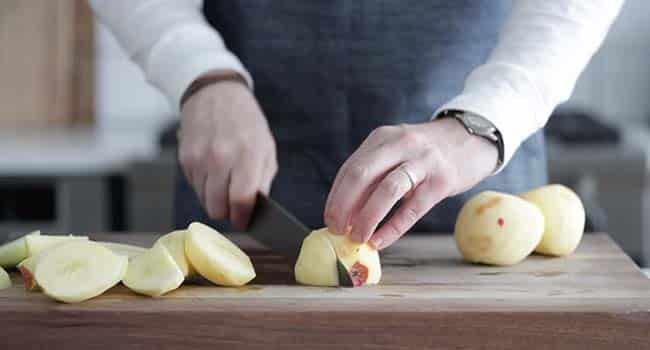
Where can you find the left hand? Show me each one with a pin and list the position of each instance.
(440, 156)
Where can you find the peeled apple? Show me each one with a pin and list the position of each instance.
(564, 218)
(498, 229)
(316, 264)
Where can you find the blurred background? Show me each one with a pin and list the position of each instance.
(86, 144)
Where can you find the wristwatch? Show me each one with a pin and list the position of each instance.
(479, 126)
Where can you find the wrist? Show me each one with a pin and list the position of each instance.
(482, 155)
(211, 78)
(479, 126)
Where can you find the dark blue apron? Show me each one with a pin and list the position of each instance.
(328, 72)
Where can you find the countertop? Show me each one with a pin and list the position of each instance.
(428, 298)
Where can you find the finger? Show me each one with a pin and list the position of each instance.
(216, 194)
(245, 180)
(389, 191)
(354, 181)
(199, 182)
(270, 170)
(425, 197)
(189, 158)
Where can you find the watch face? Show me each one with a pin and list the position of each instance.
(478, 122)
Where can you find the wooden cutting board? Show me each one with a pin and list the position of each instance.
(429, 298)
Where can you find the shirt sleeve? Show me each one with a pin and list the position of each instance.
(542, 49)
(170, 40)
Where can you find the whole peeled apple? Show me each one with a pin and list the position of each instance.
(498, 229)
(320, 250)
(564, 218)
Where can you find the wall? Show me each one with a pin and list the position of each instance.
(123, 98)
(616, 84)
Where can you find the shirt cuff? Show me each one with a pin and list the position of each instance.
(175, 62)
(507, 119)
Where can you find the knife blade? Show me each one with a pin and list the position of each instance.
(274, 226)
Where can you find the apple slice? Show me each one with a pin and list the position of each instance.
(26, 268)
(128, 250)
(175, 244)
(216, 258)
(153, 272)
(15, 251)
(317, 262)
(79, 270)
(5, 280)
(36, 244)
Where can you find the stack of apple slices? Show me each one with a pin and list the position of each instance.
(67, 268)
(73, 269)
(184, 254)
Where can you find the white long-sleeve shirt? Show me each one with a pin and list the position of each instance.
(542, 49)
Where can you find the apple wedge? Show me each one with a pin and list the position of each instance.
(317, 262)
(360, 259)
(175, 244)
(216, 258)
(12, 253)
(79, 270)
(5, 280)
(36, 244)
(128, 250)
(153, 272)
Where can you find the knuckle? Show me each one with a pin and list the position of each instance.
(382, 131)
(364, 219)
(358, 172)
(411, 215)
(274, 168)
(330, 219)
(214, 212)
(189, 157)
(218, 154)
(392, 230)
(447, 183)
(243, 198)
(410, 137)
(392, 187)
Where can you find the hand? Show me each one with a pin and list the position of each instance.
(440, 157)
(226, 150)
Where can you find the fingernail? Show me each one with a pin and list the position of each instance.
(376, 243)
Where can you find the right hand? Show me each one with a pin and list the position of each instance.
(226, 150)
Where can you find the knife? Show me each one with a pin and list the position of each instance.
(274, 226)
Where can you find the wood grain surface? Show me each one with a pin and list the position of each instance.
(429, 298)
(46, 62)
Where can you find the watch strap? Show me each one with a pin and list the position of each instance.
(493, 136)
